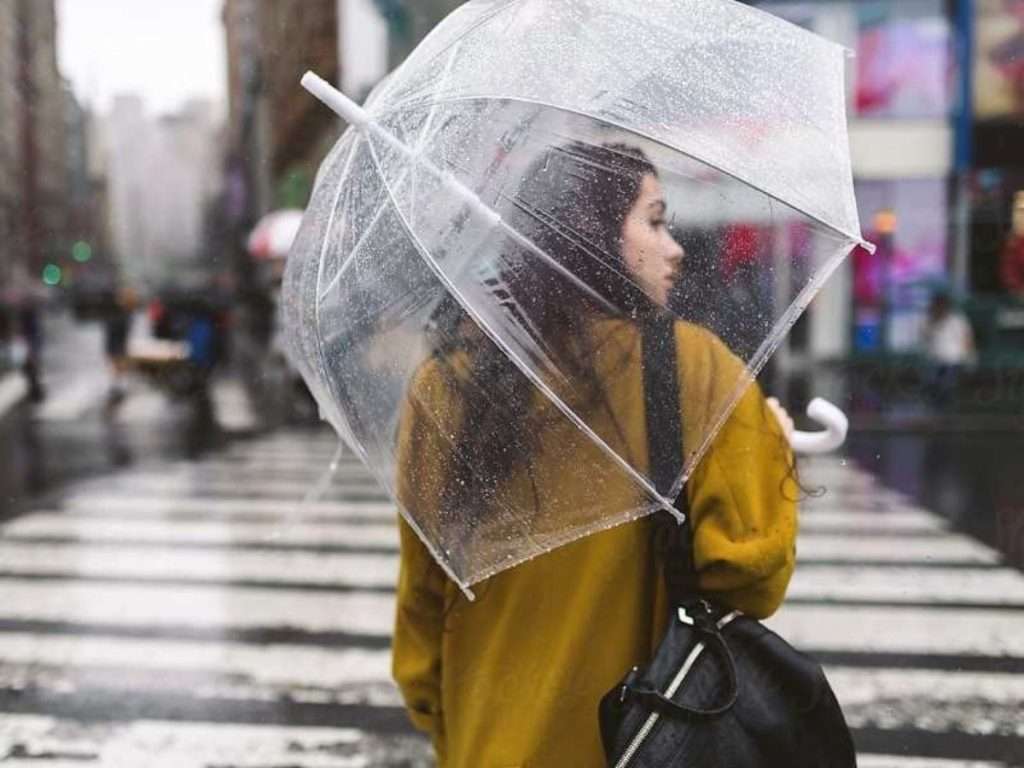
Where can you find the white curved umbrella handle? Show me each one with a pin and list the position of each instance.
(832, 437)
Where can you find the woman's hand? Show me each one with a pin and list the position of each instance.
(782, 415)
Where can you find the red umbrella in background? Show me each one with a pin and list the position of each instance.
(273, 236)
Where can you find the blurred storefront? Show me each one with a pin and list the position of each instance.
(901, 106)
(936, 105)
(996, 184)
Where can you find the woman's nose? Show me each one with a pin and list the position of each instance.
(676, 254)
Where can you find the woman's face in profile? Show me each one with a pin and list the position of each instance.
(653, 258)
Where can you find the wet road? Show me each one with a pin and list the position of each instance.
(182, 609)
(972, 478)
(191, 614)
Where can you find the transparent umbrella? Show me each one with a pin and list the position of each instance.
(484, 241)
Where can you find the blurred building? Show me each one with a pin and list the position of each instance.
(277, 133)
(162, 176)
(296, 36)
(88, 231)
(10, 170)
(364, 46)
(32, 144)
(247, 135)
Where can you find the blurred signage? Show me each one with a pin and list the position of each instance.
(904, 63)
(999, 59)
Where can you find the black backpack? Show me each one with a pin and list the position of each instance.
(722, 689)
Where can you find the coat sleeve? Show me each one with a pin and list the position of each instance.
(419, 618)
(743, 502)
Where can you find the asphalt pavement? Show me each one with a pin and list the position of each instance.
(187, 609)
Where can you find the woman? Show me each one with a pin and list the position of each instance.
(514, 677)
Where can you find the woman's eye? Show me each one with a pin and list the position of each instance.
(657, 223)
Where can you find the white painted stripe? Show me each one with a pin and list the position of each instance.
(822, 520)
(174, 487)
(145, 405)
(299, 569)
(288, 492)
(13, 389)
(902, 761)
(195, 606)
(951, 548)
(231, 405)
(296, 453)
(202, 532)
(162, 744)
(73, 399)
(265, 471)
(280, 665)
(857, 685)
(1003, 585)
(148, 505)
(900, 630)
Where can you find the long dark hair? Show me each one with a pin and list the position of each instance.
(571, 205)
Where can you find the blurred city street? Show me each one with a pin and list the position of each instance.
(161, 610)
(198, 259)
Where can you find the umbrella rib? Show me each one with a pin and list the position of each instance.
(421, 250)
(855, 239)
(570, 233)
(483, 20)
(426, 131)
(485, 326)
(425, 135)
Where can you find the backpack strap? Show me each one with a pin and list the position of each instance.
(665, 447)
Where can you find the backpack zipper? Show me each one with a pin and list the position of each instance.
(671, 691)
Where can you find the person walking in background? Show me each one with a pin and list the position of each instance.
(949, 347)
(116, 328)
(514, 677)
(1011, 267)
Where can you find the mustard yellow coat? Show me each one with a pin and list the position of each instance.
(514, 678)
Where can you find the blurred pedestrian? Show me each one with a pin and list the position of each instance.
(116, 329)
(514, 677)
(30, 325)
(1011, 268)
(949, 347)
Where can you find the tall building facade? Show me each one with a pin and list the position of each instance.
(163, 173)
(10, 168)
(32, 140)
(295, 36)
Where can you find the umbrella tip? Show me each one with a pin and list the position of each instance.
(869, 247)
(341, 104)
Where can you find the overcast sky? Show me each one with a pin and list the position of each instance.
(165, 50)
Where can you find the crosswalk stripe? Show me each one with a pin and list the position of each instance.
(900, 629)
(909, 519)
(208, 591)
(225, 532)
(118, 706)
(902, 584)
(146, 743)
(149, 505)
(132, 605)
(903, 761)
(856, 686)
(21, 655)
(174, 562)
(954, 547)
(281, 634)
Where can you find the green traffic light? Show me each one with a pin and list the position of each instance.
(51, 274)
(81, 251)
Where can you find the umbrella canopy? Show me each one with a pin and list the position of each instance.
(473, 254)
(273, 235)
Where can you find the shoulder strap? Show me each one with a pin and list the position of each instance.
(665, 446)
